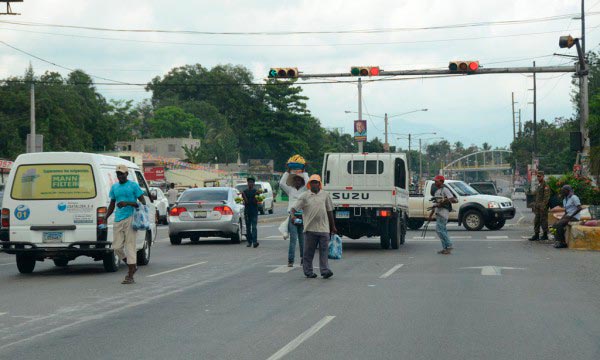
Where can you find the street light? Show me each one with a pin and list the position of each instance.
(386, 145)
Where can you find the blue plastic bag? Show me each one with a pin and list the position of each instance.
(335, 247)
(141, 219)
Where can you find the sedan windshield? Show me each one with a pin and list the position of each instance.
(463, 189)
(204, 195)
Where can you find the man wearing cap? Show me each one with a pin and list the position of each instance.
(125, 195)
(251, 211)
(540, 208)
(294, 185)
(442, 207)
(317, 211)
(572, 207)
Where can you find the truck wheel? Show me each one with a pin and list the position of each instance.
(415, 224)
(110, 262)
(25, 263)
(143, 255)
(395, 232)
(473, 220)
(496, 224)
(61, 262)
(385, 236)
(175, 240)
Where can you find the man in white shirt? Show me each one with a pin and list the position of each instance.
(442, 207)
(294, 186)
(172, 195)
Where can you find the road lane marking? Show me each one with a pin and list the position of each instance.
(301, 338)
(282, 269)
(6, 264)
(497, 237)
(391, 271)
(492, 270)
(177, 269)
(470, 240)
(3, 314)
(274, 237)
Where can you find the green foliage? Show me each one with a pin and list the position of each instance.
(582, 186)
(173, 121)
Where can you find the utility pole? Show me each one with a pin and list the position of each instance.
(386, 145)
(534, 149)
(513, 117)
(520, 125)
(32, 142)
(420, 163)
(360, 143)
(583, 95)
(408, 159)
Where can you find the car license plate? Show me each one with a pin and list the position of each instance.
(52, 237)
(342, 214)
(200, 214)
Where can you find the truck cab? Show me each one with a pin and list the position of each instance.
(370, 195)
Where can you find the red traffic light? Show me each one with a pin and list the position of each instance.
(364, 70)
(463, 66)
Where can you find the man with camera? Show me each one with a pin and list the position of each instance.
(442, 207)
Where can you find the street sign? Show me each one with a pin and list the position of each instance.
(5, 164)
(156, 173)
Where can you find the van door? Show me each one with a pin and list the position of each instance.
(53, 204)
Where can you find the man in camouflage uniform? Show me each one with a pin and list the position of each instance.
(540, 208)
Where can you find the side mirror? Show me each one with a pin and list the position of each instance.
(153, 195)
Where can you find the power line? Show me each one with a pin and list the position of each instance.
(279, 33)
(57, 65)
(183, 43)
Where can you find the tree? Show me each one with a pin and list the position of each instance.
(172, 121)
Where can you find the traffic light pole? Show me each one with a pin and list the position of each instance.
(360, 143)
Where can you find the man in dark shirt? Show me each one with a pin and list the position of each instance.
(251, 210)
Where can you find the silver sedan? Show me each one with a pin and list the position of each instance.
(204, 212)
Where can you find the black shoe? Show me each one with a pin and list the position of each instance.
(544, 237)
(290, 264)
(560, 245)
(248, 245)
(327, 275)
(535, 237)
(256, 245)
(312, 276)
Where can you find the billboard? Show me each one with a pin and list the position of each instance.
(156, 173)
(360, 130)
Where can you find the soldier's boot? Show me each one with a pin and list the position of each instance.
(544, 236)
(535, 237)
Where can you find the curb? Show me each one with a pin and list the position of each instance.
(272, 219)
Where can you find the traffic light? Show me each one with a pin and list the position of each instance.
(283, 73)
(566, 42)
(364, 71)
(463, 66)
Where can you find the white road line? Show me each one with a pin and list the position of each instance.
(391, 271)
(301, 338)
(274, 237)
(282, 269)
(3, 314)
(471, 240)
(181, 268)
(6, 264)
(422, 238)
(497, 237)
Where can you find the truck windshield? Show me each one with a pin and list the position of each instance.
(462, 188)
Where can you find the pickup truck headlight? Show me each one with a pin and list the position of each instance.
(493, 205)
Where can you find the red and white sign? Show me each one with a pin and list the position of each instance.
(154, 173)
(5, 164)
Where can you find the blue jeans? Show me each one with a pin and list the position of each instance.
(442, 231)
(251, 231)
(296, 234)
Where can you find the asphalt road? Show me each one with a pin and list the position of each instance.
(498, 296)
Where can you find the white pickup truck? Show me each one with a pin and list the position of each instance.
(473, 210)
(370, 195)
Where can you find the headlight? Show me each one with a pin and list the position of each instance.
(493, 205)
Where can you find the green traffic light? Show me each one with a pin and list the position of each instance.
(272, 73)
(453, 66)
(355, 71)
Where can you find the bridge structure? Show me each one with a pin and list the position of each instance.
(485, 160)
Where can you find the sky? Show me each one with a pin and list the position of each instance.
(469, 109)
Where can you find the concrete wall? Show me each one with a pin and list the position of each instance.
(165, 147)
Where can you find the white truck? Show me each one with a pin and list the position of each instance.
(370, 195)
(473, 210)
